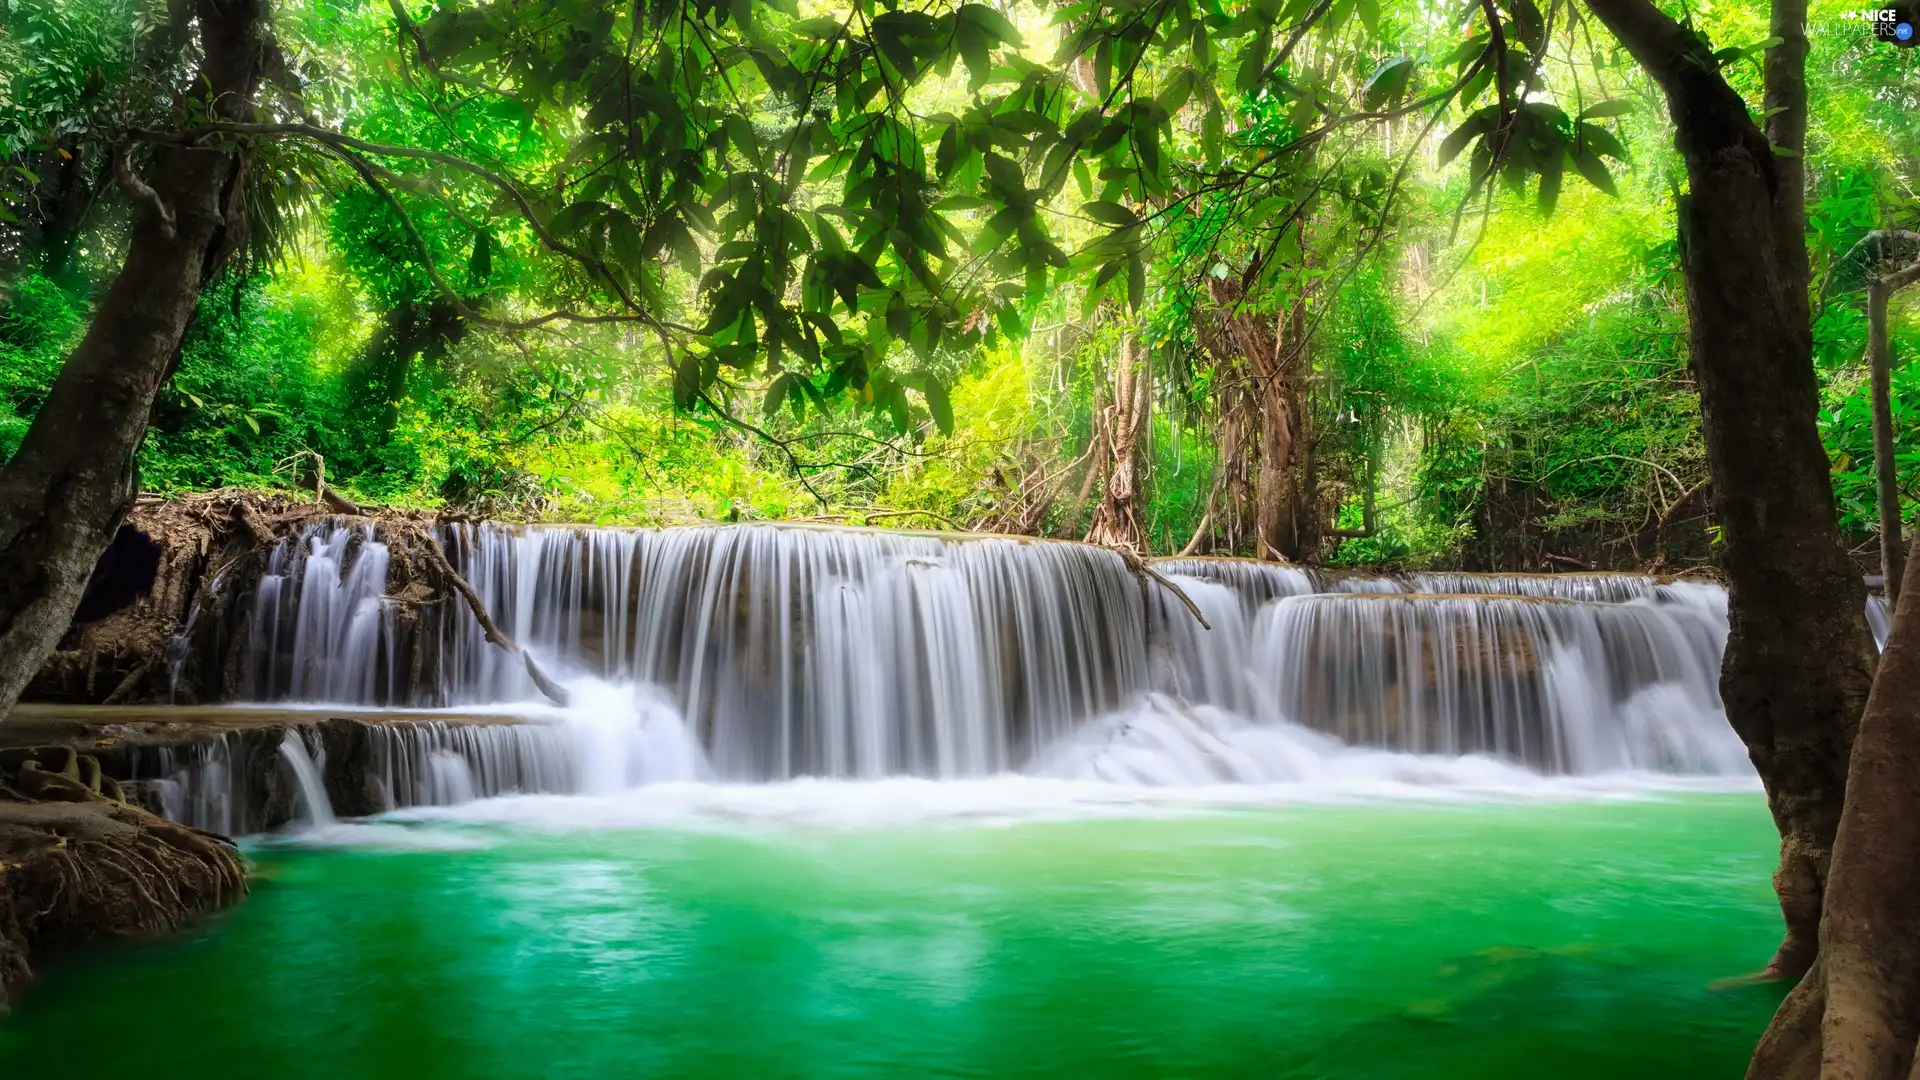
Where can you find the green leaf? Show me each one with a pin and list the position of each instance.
(1369, 11)
(938, 404)
(1604, 109)
(1388, 82)
(992, 22)
(480, 266)
(1110, 213)
(1594, 170)
(1533, 26)
(1470, 129)
(821, 28)
(1136, 282)
(1550, 174)
(1602, 141)
(1213, 134)
(740, 132)
(1177, 91)
(624, 241)
(776, 393)
(251, 422)
(575, 217)
(1253, 61)
(686, 382)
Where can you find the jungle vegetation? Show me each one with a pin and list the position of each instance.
(1491, 382)
(1495, 285)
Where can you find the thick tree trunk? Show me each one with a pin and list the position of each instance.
(1276, 523)
(1799, 660)
(1119, 519)
(1276, 358)
(1856, 1015)
(1239, 434)
(73, 480)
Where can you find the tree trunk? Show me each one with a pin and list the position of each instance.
(1239, 434)
(1856, 1015)
(73, 480)
(412, 332)
(1276, 525)
(1276, 358)
(1119, 517)
(1799, 660)
(1885, 472)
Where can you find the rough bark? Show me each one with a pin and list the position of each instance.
(1856, 1015)
(73, 480)
(1277, 362)
(1119, 518)
(1799, 660)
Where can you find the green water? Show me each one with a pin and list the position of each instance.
(1487, 941)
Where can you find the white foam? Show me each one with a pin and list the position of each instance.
(374, 835)
(1161, 757)
(1005, 800)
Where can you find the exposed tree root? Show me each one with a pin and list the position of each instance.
(214, 547)
(79, 865)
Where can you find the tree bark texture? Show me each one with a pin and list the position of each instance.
(1277, 361)
(1119, 518)
(73, 480)
(1799, 661)
(1856, 1015)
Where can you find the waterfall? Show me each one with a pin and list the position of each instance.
(322, 628)
(766, 652)
(227, 783)
(306, 774)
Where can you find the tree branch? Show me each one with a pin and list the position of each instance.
(142, 195)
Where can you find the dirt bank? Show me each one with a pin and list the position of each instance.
(166, 611)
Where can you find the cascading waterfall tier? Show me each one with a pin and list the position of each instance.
(852, 653)
(252, 778)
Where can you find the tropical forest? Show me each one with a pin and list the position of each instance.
(1004, 538)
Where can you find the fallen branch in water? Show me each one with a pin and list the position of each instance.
(431, 548)
(1139, 566)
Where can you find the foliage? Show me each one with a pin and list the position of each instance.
(678, 261)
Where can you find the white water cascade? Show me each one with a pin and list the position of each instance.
(308, 778)
(765, 652)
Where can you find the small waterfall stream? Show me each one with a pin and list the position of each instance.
(755, 653)
(312, 790)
